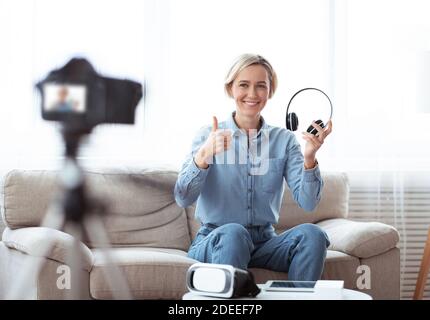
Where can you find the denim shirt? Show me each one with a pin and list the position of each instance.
(245, 184)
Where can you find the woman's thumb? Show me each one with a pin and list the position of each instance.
(214, 124)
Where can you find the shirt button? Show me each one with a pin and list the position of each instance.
(249, 190)
(249, 207)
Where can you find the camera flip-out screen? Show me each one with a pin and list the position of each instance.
(68, 98)
(78, 96)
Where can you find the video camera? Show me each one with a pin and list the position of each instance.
(79, 97)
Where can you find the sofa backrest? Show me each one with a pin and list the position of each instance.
(144, 212)
(141, 204)
(333, 204)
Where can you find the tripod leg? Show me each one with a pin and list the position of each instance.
(117, 282)
(30, 268)
(74, 260)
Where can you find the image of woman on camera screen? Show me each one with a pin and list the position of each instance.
(64, 103)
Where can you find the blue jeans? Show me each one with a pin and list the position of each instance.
(299, 251)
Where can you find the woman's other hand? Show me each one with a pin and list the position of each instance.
(314, 143)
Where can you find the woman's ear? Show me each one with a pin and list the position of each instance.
(271, 92)
(228, 90)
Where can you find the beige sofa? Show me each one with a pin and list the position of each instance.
(150, 236)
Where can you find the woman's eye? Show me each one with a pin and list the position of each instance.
(262, 86)
(243, 85)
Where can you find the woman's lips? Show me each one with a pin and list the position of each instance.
(251, 103)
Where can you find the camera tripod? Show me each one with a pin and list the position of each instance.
(73, 212)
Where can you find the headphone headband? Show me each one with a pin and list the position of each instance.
(331, 105)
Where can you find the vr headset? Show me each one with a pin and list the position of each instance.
(221, 280)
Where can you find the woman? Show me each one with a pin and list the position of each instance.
(237, 204)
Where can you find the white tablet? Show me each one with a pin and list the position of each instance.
(290, 285)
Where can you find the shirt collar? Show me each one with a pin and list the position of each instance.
(231, 124)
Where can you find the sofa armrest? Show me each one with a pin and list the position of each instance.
(359, 239)
(33, 241)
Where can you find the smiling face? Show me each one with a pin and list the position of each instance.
(62, 94)
(250, 90)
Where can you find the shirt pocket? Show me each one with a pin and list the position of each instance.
(274, 177)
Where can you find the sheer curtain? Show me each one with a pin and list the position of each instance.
(378, 43)
(197, 43)
(381, 49)
(40, 35)
(181, 50)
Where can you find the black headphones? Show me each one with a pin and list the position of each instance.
(292, 121)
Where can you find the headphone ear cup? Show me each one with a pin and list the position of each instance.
(292, 122)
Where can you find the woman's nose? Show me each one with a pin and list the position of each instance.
(252, 92)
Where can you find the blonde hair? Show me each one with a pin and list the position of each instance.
(246, 60)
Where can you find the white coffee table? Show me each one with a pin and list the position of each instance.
(347, 294)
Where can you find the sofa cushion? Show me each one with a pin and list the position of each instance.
(360, 239)
(155, 273)
(152, 273)
(26, 197)
(333, 203)
(34, 241)
(140, 203)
